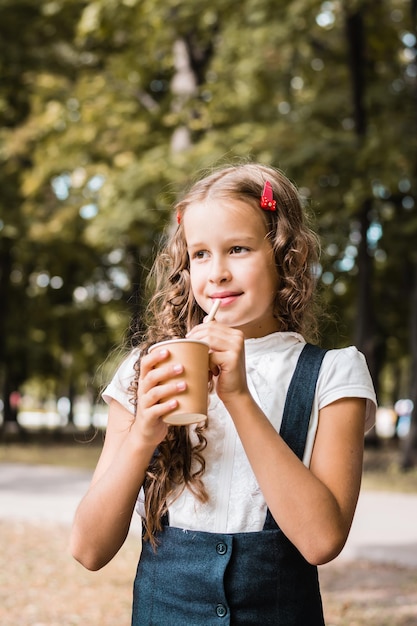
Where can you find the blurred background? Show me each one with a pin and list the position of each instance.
(108, 108)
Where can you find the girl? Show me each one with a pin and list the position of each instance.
(239, 510)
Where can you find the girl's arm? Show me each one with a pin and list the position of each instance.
(313, 506)
(103, 516)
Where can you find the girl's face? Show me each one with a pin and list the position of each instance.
(232, 259)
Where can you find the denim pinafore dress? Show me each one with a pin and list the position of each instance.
(240, 579)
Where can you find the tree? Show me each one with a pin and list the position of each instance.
(39, 325)
(131, 99)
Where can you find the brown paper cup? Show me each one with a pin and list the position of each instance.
(192, 403)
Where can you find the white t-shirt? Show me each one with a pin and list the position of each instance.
(236, 503)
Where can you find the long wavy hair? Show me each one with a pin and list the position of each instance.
(172, 310)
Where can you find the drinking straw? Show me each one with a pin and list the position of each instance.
(213, 310)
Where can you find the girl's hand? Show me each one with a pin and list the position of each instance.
(155, 386)
(226, 358)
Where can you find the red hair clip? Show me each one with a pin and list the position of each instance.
(267, 201)
(178, 217)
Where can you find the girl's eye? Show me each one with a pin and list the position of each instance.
(238, 250)
(200, 254)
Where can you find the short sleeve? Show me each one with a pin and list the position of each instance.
(118, 388)
(346, 375)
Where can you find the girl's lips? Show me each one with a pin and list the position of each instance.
(226, 298)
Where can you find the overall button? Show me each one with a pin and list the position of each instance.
(221, 548)
(221, 610)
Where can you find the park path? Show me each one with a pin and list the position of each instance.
(384, 528)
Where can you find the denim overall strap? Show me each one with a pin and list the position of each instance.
(300, 396)
(298, 405)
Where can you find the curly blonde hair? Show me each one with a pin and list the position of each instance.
(172, 310)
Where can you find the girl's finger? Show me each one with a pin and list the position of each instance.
(150, 377)
(164, 393)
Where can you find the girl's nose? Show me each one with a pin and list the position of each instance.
(219, 271)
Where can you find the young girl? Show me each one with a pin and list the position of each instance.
(238, 510)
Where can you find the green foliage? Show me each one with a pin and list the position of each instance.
(108, 108)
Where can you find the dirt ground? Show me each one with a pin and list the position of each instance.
(376, 594)
(41, 585)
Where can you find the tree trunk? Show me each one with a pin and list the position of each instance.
(409, 456)
(365, 326)
(9, 386)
